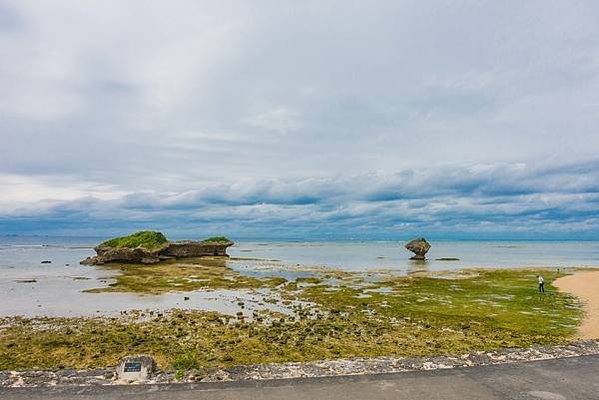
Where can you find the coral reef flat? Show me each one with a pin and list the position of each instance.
(289, 303)
(333, 314)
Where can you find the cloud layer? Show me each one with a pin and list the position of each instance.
(483, 200)
(330, 118)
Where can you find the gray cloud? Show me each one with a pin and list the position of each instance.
(501, 199)
(318, 116)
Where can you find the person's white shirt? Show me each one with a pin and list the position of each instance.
(541, 280)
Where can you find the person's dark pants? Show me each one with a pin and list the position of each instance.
(542, 287)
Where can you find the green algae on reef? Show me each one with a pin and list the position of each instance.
(181, 275)
(357, 317)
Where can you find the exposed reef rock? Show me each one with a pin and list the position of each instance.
(123, 254)
(419, 247)
(189, 248)
(151, 248)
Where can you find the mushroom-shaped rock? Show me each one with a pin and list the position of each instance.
(419, 247)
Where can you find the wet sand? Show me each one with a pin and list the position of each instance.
(584, 285)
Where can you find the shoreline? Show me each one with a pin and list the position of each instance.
(583, 285)
(293, 370)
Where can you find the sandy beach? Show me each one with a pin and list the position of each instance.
(584, 285)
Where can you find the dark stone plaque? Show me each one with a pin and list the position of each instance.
(135, 368)
(132, 367)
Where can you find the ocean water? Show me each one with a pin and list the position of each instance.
(362, 255)
(32, 288)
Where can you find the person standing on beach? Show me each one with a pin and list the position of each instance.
(541, 284)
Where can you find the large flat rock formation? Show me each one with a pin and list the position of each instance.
(152, 247)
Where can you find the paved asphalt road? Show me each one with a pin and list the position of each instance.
(569, 378)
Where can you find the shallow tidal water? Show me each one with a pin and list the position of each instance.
(364, 255)
(29, 287)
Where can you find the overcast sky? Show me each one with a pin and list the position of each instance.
(341, 119)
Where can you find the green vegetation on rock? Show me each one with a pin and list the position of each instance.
(217, 239)
(149, 240)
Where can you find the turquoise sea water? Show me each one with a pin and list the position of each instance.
(58, 285)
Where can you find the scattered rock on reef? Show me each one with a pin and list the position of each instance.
(46, 262)
(448, 259)
(419, 247)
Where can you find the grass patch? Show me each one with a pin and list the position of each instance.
(187, 360)
(147, 239)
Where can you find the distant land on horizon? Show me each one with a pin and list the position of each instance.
(398, 238)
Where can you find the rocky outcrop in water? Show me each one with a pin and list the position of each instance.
(168, 251)
(189, 248)
(419, 247)
(138, 255)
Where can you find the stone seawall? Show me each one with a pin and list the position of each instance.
(352, 366)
